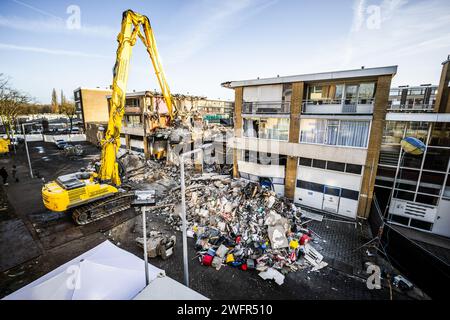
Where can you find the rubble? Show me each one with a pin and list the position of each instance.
(158, 245)
(234, 222)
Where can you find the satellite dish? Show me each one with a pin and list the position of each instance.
(413, 146)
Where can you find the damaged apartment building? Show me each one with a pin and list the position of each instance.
(146, 126)
(314, 138)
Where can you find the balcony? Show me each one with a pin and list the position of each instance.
(410, 107)
(330, 106)
(266, 107)
(133, 129)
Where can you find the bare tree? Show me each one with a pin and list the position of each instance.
(68, 108)
(12, 102)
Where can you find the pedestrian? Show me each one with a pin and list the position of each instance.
(14, 173)
(4, 175)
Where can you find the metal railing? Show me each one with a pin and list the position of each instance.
(411, 107)
(338, 106)
(266, 107)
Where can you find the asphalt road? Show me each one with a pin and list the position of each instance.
(45, 240)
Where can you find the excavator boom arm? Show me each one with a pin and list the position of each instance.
(132, 23)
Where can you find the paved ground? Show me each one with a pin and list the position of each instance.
(54, 239)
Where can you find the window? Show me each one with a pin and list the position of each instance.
(353, 133)
(274, 128)
(336, 166)
(366, 92)
(421, 224)
(389, 154)
(305, 162)
(353, 168)
(264, 158)
(436, 159)
(310, 186)
(431, 182)
(332, 131)
(409, 196)
(393, 132)
(267, 128)
(407, 179)
(427, 199)
(132, 102)
(399, 219)
(411, 160)
(312, 130)
(319, 163)
(133, 121)
(418, 130)
(440, 135)
(335, 132)
(315, 92)
(349, 194)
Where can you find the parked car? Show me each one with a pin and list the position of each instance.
(60, 143)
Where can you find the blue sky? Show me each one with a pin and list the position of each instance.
(205, 42)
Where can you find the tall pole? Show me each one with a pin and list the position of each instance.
(26, 148)
(144, 232)
(184, 225)
(183, 209)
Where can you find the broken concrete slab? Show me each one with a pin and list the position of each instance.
(272, 274)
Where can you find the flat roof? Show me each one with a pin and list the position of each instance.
(418, 117)
(333, 75)
(92, 89)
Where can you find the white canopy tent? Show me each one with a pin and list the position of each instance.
(104, 272)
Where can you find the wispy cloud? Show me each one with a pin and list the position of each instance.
(7, 46)
(35, 9)
(404, 29)
(212, 20)
(55, 25)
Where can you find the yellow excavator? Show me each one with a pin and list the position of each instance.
(4, 145)
(91, 196)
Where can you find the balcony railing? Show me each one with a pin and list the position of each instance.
(337, 106)
(266, 107)
(411, 107)
(133, 129)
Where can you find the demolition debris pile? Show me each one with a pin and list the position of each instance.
(235, 222)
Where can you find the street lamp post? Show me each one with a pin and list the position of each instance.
(26, 148)
(142, 199)
(183, 209)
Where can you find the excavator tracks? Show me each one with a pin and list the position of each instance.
(102, 208)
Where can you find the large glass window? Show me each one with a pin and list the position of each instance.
(335, 132)
(274, 128)
(436, 159)
(407, 179)
(267, 128)
(389, 154)
(440, 135)
(366, 92)
(312, 130)
(431, 182)
(353, 133)
(332, 131)
(393, 132)
(418, 130)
